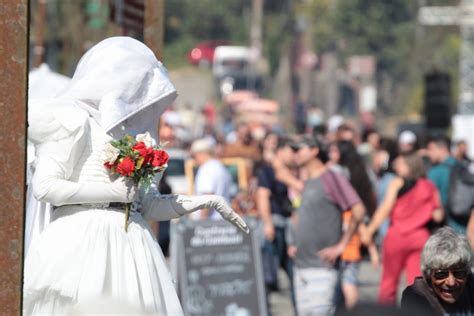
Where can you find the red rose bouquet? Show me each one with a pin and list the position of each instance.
(135, 158)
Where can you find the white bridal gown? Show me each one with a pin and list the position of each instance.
(84, 261)
(85, 253)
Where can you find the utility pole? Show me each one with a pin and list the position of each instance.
(154, 34)
(154, 26)
(256, 28)
(13, 92)
(255, 43)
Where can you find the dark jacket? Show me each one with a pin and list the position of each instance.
(420, 299)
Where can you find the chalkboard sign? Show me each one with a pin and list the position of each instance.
(219, 269)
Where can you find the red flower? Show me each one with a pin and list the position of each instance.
(143, 151)
(160, 158)
(140, 147)
(108, 165)
(126, 166)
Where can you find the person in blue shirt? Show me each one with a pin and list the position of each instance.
(440, 156)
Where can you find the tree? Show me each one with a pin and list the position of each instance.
(388, 30)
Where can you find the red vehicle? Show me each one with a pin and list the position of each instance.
(203, 53)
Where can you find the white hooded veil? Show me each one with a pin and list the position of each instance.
(119, 82)
(121, 79)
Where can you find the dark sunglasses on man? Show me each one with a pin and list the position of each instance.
(459, 274)
(295, 147)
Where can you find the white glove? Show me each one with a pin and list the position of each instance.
(165, 207)
(125, 189)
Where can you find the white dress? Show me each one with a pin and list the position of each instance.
(85, 261)
(37, 214)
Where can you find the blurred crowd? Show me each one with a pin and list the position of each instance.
(333, 196)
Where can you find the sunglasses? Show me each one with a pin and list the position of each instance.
(444, 274)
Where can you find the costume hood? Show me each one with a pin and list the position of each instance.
(121, 79)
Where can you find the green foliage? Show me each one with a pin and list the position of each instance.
(277, 39)
(381, 28)
(205, 19)
(323, 33)
(388, 30)
(189, 22)
(175, 52)
(414, 104)
(125, 145)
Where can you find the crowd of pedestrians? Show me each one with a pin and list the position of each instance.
(331, 197)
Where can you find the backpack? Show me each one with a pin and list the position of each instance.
(461, 191)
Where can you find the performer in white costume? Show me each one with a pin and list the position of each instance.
(42, 83)
(85, 256)
(37, 214)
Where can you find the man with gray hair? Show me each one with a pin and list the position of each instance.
(212, 177)
(447, 285)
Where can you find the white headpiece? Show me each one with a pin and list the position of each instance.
(121, 79)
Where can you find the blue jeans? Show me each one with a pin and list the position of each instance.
(274, 256)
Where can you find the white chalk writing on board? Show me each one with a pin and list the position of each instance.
(231, 288)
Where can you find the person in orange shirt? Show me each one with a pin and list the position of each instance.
(350, 262)
(344, 158)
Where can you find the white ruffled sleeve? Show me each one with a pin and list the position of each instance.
(59, 135)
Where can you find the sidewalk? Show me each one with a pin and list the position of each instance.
(280, 302)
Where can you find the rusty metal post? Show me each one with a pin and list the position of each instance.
(13, 92)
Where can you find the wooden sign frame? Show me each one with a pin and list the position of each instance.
(240, 163)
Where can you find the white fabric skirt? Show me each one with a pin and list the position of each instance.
(85, 262)
(37, 218)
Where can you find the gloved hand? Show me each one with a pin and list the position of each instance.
(216, 202)
(166, 207)
(125, 190)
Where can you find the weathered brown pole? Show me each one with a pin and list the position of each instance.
(13, 85)
(256, 27)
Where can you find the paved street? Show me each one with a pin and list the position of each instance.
(195, 86)
(280, 302)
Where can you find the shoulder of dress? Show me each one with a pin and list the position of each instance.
(53, 120)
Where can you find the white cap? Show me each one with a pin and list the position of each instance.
(334, 122)
(203, 145)
(172, 118)
(407, 137)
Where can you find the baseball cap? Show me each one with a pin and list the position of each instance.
(334, 122)
(284, 141)
(407, 137)
(313, 142)
(306, 141)
(203, 145)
